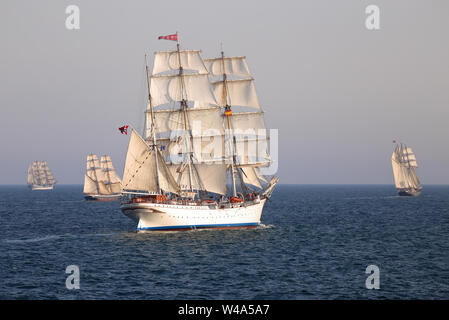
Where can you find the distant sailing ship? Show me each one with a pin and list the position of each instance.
(404, 163)
(101, 181)
(40, 177)
(172, 179)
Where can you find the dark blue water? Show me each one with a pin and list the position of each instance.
(315, 243)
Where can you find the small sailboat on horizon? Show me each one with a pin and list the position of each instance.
(40, 176)
(404, 163)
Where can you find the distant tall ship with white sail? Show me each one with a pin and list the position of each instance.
(197, 166)
(404, 163)
(101, 182)
(40, 176)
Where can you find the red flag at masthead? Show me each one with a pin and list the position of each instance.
(173, 37)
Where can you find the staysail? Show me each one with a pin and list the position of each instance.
(140, 172)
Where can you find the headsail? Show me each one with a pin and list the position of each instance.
(140, 173)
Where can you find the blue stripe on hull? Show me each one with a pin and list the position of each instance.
(204, 226)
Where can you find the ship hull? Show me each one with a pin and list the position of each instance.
(166, 217)
(409, 192)
(36, 188)
(99, 197)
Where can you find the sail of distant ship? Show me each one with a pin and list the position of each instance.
(40, 176)
(204, 131)
(404, 163)
(101, 182)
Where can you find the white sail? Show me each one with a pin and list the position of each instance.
(168, 89)
(90, 186)
(48, 174)
(30, 180)
(410, 157)
(140, 169)
(403, 163)
(248, 120)
(234, 66)
(250, 176)
(251, 151)
(40, 175)
(193, 144)
(169, 61)
(240, 93)
(166, 179)
(207, 177)
(112, 181)
(400, 178)
(199, 120)
(93, 168)
(102, 188)
(205, 149)
(261, 176)
(35, 170)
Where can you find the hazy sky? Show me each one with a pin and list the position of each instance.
(338, 92)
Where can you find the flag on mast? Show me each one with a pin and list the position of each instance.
(173, 37)
(124, 129)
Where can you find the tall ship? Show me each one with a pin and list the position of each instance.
(404, 163)
(40, 176)
(200, 162)
(101, 182)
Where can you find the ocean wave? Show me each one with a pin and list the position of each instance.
(38, 239)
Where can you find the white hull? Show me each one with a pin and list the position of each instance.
(155, 216)
(41, 188)
(103, 197)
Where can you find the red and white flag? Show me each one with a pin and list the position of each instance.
(173, 37)
(124, 129)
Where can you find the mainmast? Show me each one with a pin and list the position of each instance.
(184, 109)
(152, 126)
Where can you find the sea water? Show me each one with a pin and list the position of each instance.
(315, 242)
